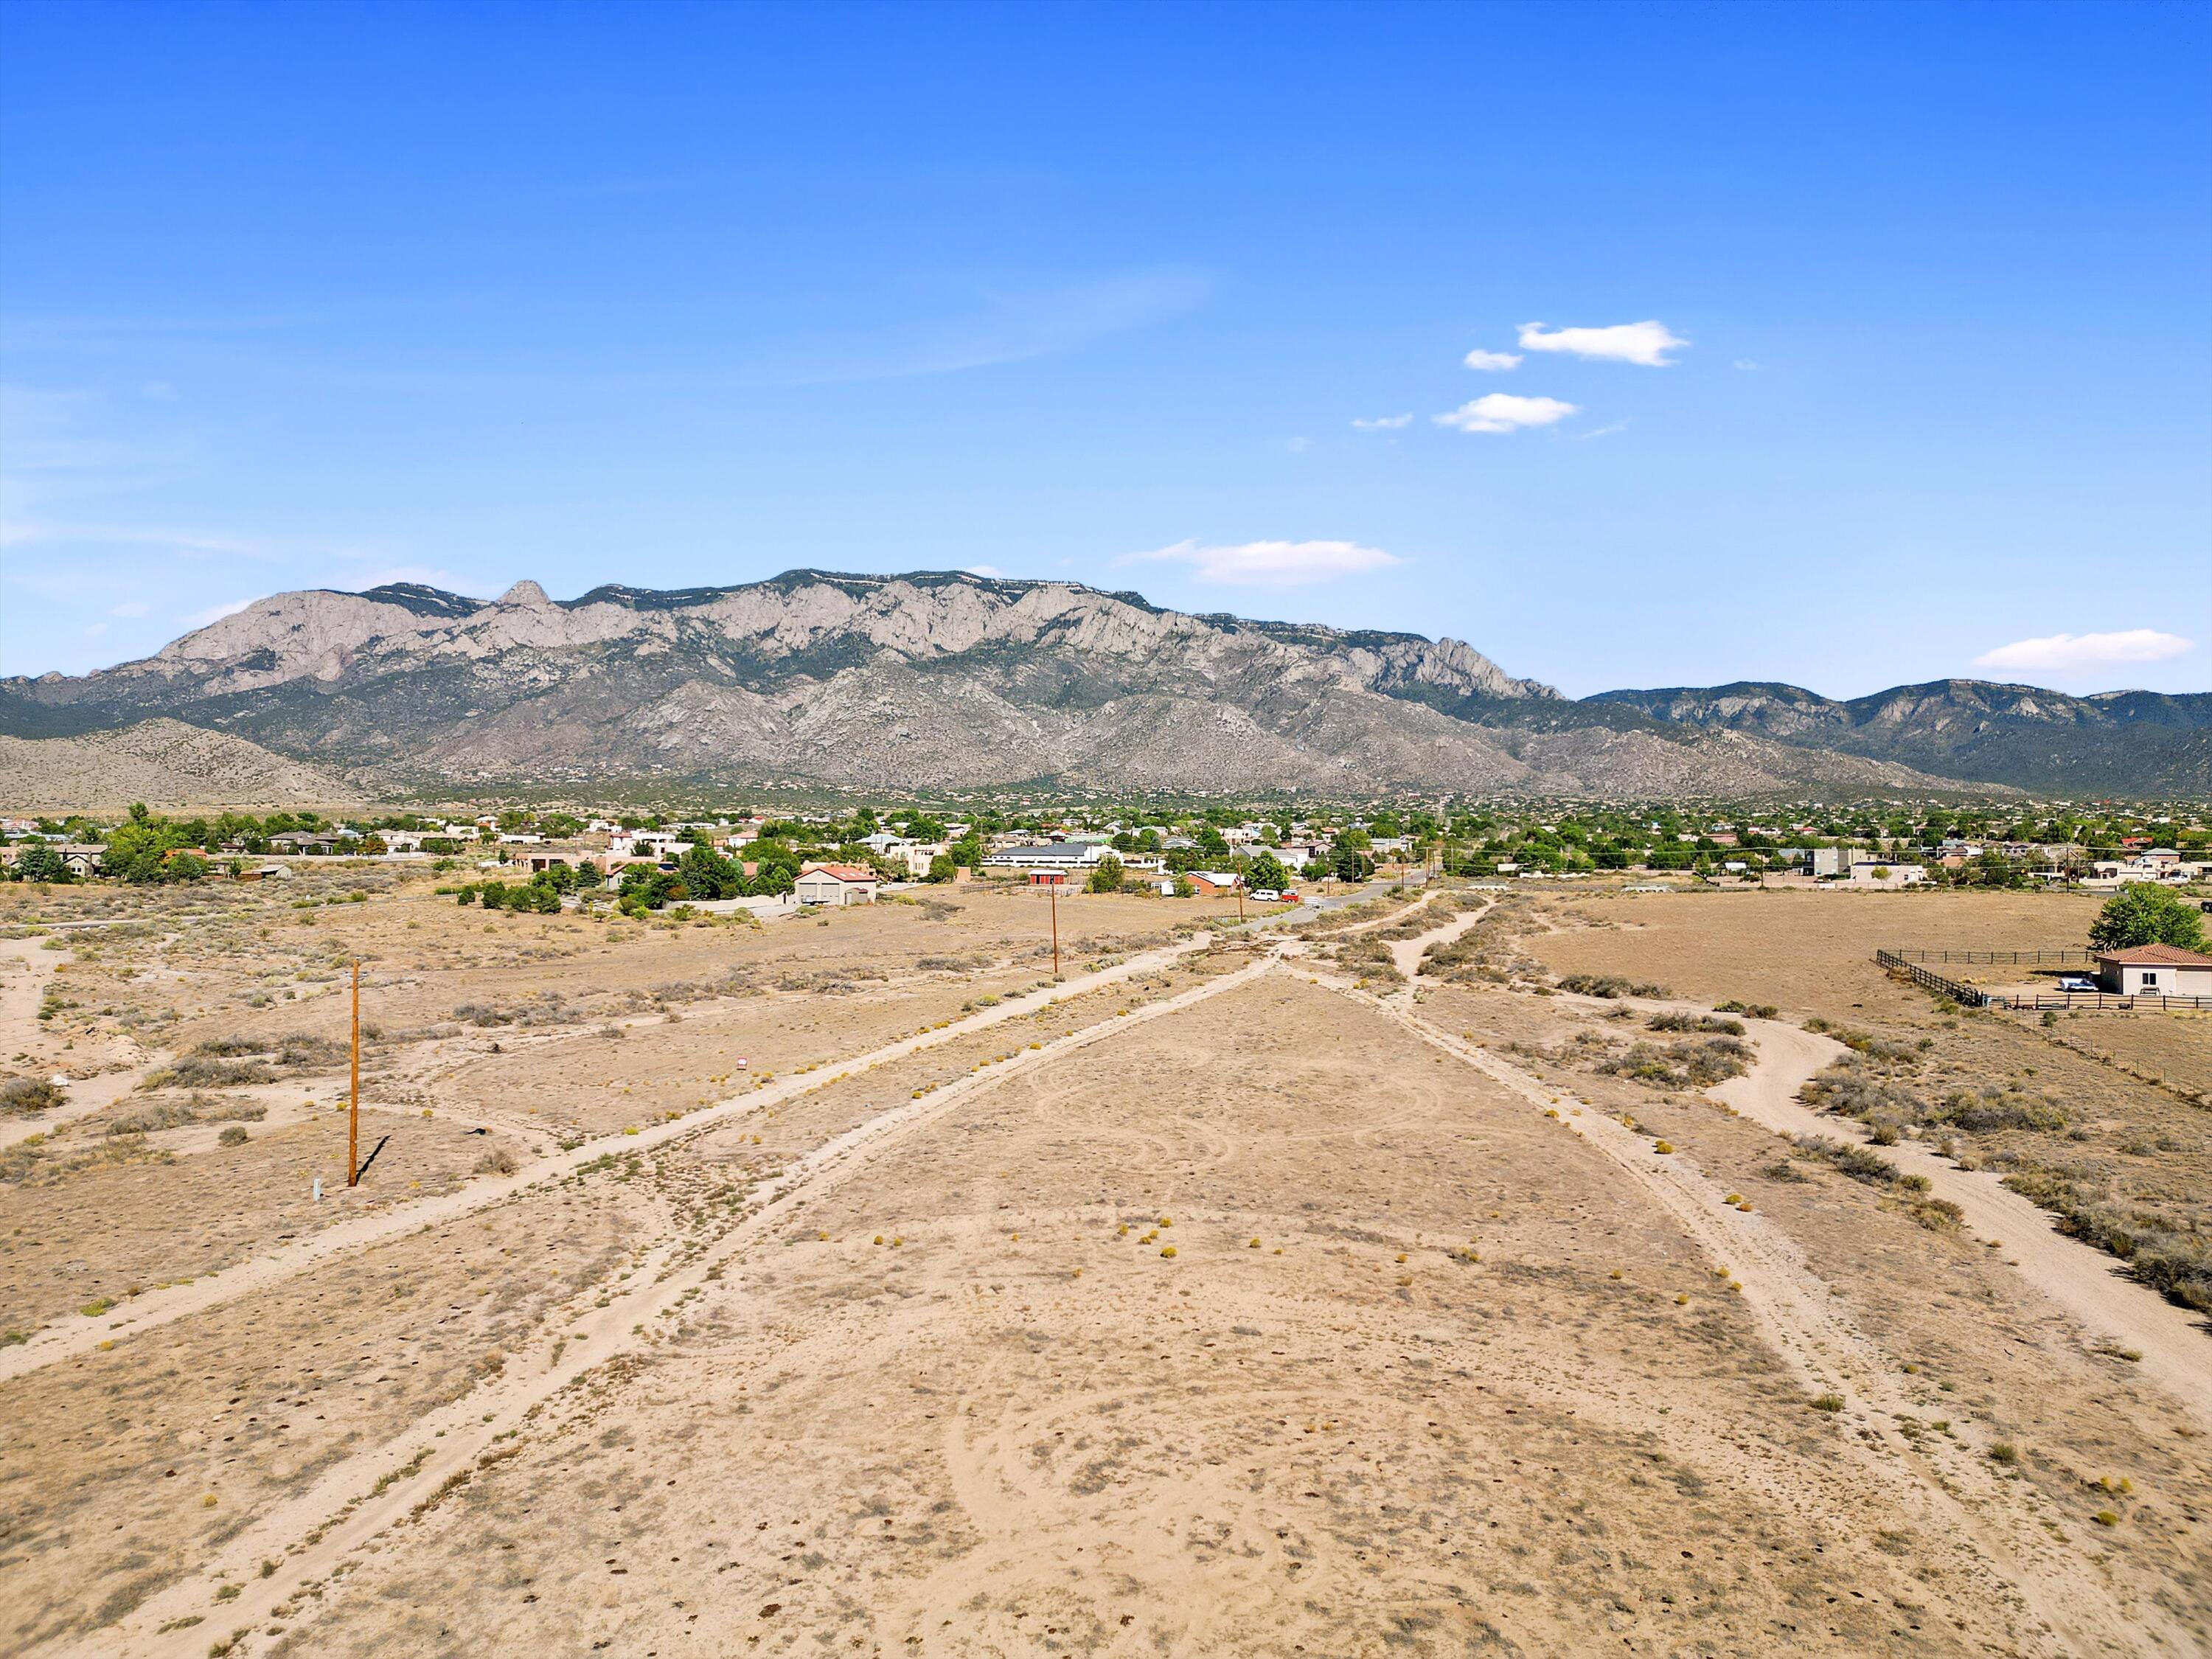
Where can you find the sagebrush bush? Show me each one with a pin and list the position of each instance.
(1610, 987)
(28, 1093)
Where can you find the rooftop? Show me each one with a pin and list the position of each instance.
(2157, 955)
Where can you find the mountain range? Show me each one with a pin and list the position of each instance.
(948, 679)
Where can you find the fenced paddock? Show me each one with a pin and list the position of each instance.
(2069, 958)
(1909, 964)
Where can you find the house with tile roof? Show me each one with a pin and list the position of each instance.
(2155, 970)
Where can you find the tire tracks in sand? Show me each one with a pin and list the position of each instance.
(76, 1334)
(1953, 1491)
(350, 1504)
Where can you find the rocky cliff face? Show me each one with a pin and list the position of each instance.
(936, 679)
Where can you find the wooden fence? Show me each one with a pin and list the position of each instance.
(2070, 957)
(1967, 996)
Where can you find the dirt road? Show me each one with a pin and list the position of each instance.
(2088, 1284)
(351, 1504)
(76, 1334)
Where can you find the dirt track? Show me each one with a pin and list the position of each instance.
(1251, 1314)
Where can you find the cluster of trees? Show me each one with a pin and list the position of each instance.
(703, 873)
(538, 894)
(542, 893)
(143, 848)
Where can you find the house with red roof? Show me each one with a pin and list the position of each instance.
(2164, 970)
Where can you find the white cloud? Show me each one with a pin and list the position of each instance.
(214, 613)
(129, 608)
(2063, 654)
(1627, 343)
(1493, 362)
(1748, 365)
(1501, 412)
(982, 570)
(1384, 423)
(1274, 564)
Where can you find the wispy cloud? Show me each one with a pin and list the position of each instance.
(982, 570)
(1493, 362)
(2074, 653)
(22, 533)
(1501, 412)
(130, 608)
(1646, 343)
(969, 323)
(1271, 564)
(1384, 423)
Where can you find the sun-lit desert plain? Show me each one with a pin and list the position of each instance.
(1541, 1271)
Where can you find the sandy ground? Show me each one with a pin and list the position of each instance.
(1203, 1304)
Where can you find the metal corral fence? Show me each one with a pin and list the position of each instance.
(1967, 996)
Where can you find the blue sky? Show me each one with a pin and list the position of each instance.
(670, 294)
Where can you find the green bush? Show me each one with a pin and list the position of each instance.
(2141, 914)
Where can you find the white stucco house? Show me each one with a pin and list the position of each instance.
(835, 884)
(2155, 970)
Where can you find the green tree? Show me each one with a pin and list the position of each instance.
(774, 880)
(706, 874)
(943, 868)
(1108, 876)
(1268, 873)
(2140, 914)
(42, 863)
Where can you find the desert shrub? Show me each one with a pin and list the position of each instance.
(1370, 957)
(1988, 1108)
(1938, 1215)
(1609, 986)
(1687, 1065)
(497, 1160)
(236, 1135)
(1755, 1010)
(1856, 1162)
(2173, 1262)
(175, 1114)
(28, 1093)
(1853, 1087)
(301, 1052)
(200, 1071)
(1673, 1021)
(482, 1013)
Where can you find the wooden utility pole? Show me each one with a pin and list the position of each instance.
(1053, 885)
(353, 1119)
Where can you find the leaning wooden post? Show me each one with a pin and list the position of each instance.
(353, 1118)
(1052, 886)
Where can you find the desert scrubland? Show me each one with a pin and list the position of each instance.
(1435, 1276)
